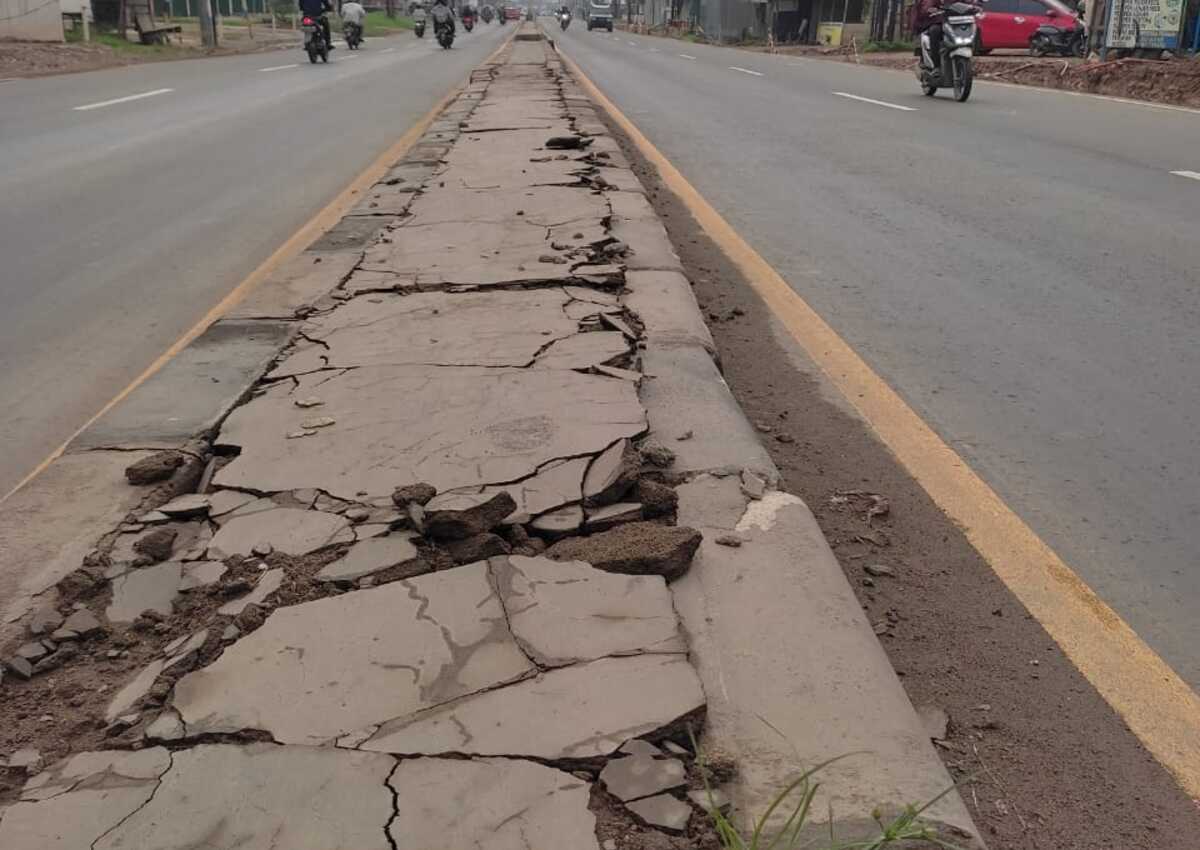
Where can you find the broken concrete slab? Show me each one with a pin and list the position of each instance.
(83, 623)
(497, 253)
(193, 392)
(201, 574)
(642, 775)
(820, 652)
(565, 612)
(634, 548)
(554, 485)
(350, 235)
(489, 804)
(147, 589)
(541, 206)
(582, 711)
(459, 515)
(133, 691)
(319, 670)
(186, 506)
(296, 285)
(60, 809)
(227, 501)
(649, 245)
(584, 350)
(667, 307)
(662, 812)
(451, 428)
(502, 328)
(290, 530)
(558, 522)
(602, 519)
(500, 160)
(370, 556)
(383, 199)
(268, 583)
(689, 394)
(254, 797)
(611, 474)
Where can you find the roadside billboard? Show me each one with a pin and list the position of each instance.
(1153, 24)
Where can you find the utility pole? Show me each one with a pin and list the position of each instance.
(208, 32)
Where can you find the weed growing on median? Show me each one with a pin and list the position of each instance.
(799, 795)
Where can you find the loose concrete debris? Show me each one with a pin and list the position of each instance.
(268, 583)
(470, 515)
(157, 467)
(184, 507)
(150, 588)
(636, 548)
(611, 474)
(662, 811)
(642, 775)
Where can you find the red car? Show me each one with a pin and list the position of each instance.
(1011, 23)
(512, 13)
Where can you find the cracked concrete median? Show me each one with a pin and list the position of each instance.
(422, 579)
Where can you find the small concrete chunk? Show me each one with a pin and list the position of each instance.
(663, 812)
(183, 648)
(419, 493)
(582, 711)
(753, 484)
(157, 544)
(567, 612)
(44, 620)
(134, 691)
(83, 622)
(640, 747)
(479, 547)
(601, 519)
(19, 667)
(635, 548)
(489, 804)
(190, 505)
(641, 775)
(290, 530)
(157, 467)
(201, 574)
(558, 523)
(225, 501)
(268, 583)
(27, 759)
(149, 589)
(166, 727)
(709, 799)
(370, 556)
(32, 651)
(459, 523)
(611, 474)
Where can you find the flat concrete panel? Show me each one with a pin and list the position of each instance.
(193, 392)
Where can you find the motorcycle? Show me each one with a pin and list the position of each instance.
(1054, 39)
(352, 34)
(468, 22)
(564, 20)
(445, 35)
(419, 29)
(954, 67)
(486, 14)
(314, 39)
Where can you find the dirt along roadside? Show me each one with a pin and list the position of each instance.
(1044, 763)
(446, 536)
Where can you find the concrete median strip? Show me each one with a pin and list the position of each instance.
(448, 572)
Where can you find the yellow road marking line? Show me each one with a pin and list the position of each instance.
(301, 239)
(1157, 705)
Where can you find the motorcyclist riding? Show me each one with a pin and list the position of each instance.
(442, 16)
(926, 16)
(564, 11)
(319, 11)
(354, 14)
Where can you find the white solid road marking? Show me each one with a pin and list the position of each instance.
(277, 68)
(685, 56)
(117, 100)
(745, 70)
(1193, 175)
(876, 102)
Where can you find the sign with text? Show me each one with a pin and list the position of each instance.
(1145, 23)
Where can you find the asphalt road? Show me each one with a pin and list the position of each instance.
(1020, 268)
(123, 223)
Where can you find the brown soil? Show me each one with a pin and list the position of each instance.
(35, 59)
(1046, 764)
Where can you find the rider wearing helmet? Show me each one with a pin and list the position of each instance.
(442, 16)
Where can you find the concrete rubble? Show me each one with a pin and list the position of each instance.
(342, 620)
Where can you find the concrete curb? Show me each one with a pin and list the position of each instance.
(793, 673)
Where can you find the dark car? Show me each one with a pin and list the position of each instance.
(1012, 23)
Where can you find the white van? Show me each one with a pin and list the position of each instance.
(600, 15)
